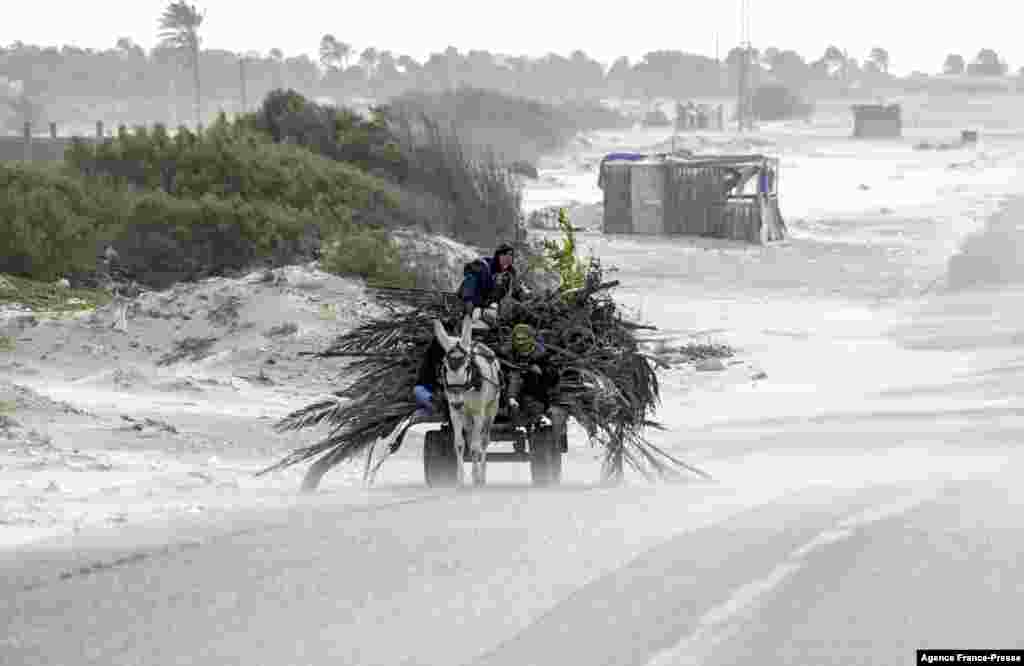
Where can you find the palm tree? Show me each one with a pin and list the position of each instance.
(987, 63)
(368, 59)
(954, 64)
(334, 54)
(179, 30)
(330, 58)
(834, 60)
(880, 57)
(344, 53)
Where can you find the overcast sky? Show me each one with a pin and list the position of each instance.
(917, 34)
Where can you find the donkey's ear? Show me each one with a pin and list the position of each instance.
(442, 336)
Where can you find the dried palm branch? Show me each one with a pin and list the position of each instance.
(606, 383)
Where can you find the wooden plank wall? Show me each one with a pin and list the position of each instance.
(648, 201)
(756, 220)
(691, 197)
(693, 204)
(618, 208)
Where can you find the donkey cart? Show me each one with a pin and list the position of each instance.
(533, 442)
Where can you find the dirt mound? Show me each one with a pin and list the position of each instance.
(170, 378)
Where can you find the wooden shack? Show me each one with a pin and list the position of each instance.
(721, 196)
(877, 121)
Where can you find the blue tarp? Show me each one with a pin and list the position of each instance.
(625, 157)
(632, 157)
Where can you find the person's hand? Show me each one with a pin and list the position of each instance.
(535, 369)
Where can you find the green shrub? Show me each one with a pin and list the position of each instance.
(412, 144)
(367, 253)
(49, 221)
(561, 257)
(54, 224)
(231, 160)
(336, 133)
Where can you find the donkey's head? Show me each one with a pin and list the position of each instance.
(457, 369)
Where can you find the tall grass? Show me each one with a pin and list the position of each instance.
(480, 197)
(510, 129)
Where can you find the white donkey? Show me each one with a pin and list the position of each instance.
(471, 377)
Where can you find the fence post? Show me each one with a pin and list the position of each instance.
(28, 141)
(53, 130)
(99, 130)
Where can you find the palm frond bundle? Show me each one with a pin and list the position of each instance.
(608, 386)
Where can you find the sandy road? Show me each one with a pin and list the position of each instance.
(870, 480)
(824, 572)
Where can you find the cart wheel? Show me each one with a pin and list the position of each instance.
(545, 458)
(439, 466)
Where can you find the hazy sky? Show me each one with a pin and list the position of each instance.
(917, 34)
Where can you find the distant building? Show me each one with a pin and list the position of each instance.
(877, 121)
(722, 196)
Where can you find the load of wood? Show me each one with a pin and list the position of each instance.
(609, 387)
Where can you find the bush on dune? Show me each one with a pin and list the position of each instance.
(434, 181)
(229, 160)
(275, 185)
(49, 220)
(186, 206)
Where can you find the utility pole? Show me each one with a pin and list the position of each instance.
(741, 90)
(743, 96)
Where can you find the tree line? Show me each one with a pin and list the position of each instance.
(180, 66)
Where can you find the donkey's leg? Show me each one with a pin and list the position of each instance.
(485, 442)
(459, 435)
(476, 446)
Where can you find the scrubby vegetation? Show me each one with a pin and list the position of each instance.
(435, 181)
(289, 182)
(561, 259)
(278, 185)
(512, 129)
(183, 207)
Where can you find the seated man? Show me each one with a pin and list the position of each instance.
(426, 380)
(488, 280)
(532, 380)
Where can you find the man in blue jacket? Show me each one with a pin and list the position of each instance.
(489, 279)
